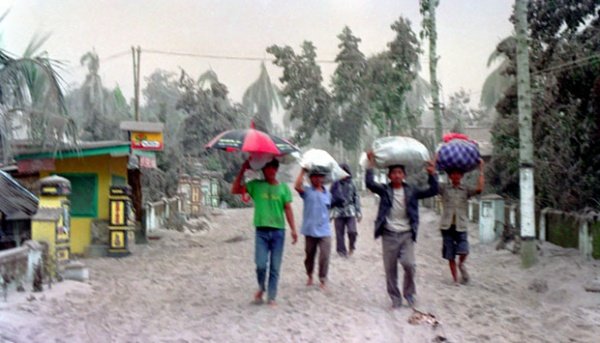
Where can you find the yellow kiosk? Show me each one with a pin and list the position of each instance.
(52, 222)
(121, 223)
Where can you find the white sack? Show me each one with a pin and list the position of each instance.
(317, 159)
(398, 150)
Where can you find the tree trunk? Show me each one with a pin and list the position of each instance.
(435, 88)
(134, 176)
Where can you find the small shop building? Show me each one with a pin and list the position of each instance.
(91, 169)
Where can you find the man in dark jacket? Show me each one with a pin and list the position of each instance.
(345, 211)
(398, 223)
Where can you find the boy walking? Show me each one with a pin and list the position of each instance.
(454, 221)
(315, 224)
(272, 200)
(345, 210)
(397, 223)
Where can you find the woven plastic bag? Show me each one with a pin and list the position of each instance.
(458, 153)
(393, 150)
(317, 160)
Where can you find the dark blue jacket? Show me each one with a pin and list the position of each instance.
(411, 195)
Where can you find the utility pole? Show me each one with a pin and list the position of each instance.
(135, 52)
(526, 182)
(429, 27)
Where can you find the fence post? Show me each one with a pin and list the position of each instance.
(149, 217)
(585, 244)
(542, 237)
(165, 216)
(512, 215)
(470, 210)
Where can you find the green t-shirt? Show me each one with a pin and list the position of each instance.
(269, 201)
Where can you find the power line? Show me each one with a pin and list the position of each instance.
(226, 57)
(211, 56)
(570, 65)
(115, 55)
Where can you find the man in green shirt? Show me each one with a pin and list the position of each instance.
(272, 202)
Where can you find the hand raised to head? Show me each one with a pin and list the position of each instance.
(430, 167)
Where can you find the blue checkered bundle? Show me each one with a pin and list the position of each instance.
(458, 154)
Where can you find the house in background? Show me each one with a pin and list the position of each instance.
(17, 207)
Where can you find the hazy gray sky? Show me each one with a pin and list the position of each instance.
(468, 32)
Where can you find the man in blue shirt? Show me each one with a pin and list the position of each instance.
(315, 224)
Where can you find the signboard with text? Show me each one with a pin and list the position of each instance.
(147, 141)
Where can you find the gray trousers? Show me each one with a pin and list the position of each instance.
(310, 247)
(341, 224)
(399, 247)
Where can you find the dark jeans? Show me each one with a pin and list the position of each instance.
(268, 252)
(343, 224)
(399, 247)
(454, 243)
(324, 245)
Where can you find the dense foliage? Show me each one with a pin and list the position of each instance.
(350, 106)
(209, 112)
(307, 100)
(565, 66)
(390, 76)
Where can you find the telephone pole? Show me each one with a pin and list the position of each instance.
(135, 52)
(526, 181)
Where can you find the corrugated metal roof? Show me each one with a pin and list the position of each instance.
(141, 126)
(16, 202)
(116, 148)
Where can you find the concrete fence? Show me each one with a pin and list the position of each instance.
(17, 265)
(565, 229)
(160, 212)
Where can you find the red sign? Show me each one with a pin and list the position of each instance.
(31, 166)
(147, 162)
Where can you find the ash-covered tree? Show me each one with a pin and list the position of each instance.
(209, 112)
(502, 77)
(390, 76)
(261, 99)
(565, 67)
(459, 114)
(161, 96)
(32, 105)
(305, 97)
(96, 109)
(350, 107)
(206, 111)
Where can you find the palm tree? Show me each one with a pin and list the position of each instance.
(261, 99)
(208, 79)
(32, 106)
(498, 81)
(93, 98)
